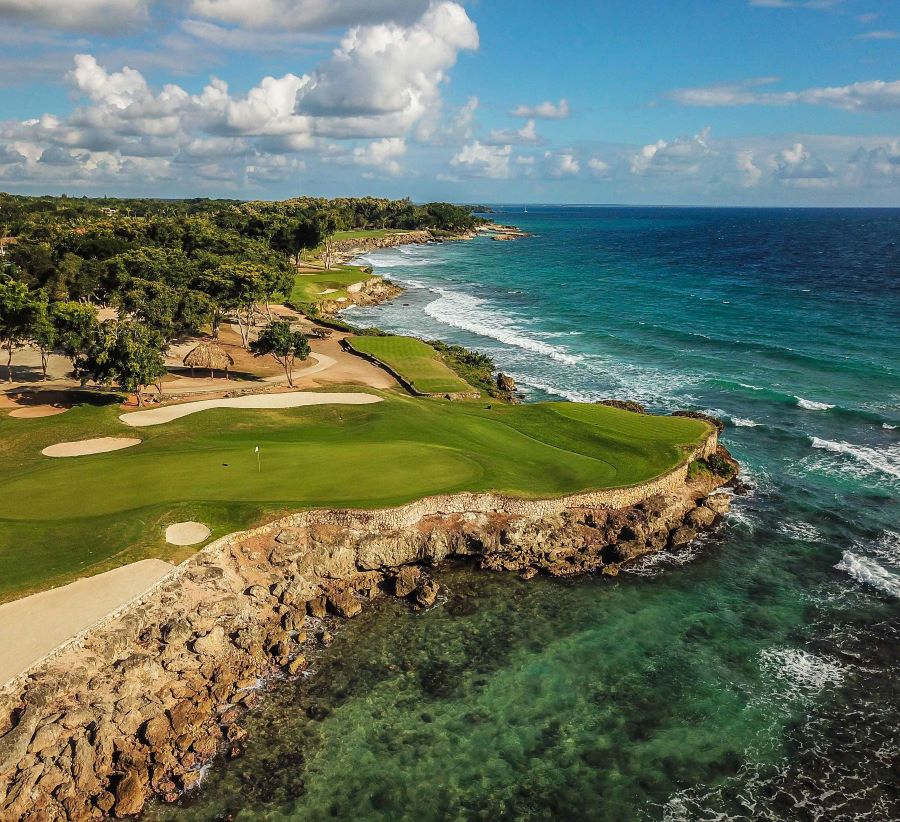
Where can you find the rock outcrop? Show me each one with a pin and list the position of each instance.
(625, 405)
(138, 704)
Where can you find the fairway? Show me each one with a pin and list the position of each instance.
(415, 361)
(308, 288)
(63, 518)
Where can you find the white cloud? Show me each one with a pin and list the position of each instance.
(681, 156)
(525, 136)
(598, 167)
(870, 95)
(543, 111)
(479, 160)
(798, 166)
(795, 4)
(750, 173)
(561, 165)
(381, 154)
(310, 15)
(380, 82)
(877, 166)
(884, 34)
(108, 16)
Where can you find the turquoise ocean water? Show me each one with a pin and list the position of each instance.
(753, 675)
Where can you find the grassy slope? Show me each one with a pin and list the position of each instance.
(415, 361)
(366, 233)
(62, 518)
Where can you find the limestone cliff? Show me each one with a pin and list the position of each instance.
(137, 704)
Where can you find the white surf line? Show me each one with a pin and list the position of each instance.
(295, 399)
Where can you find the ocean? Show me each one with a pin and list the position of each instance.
(753, 675)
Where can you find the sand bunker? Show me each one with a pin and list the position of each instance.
(329, 291)
(295, 399)
(81, 448)
(186, 533)
(33, 412)
(34, 626)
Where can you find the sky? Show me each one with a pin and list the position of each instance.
(678, 102)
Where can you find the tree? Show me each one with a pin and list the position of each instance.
(17, 308)
(76, 328)
(126, 354)
(327, 225)
(296, 237)
(284, 344)
(44, 332)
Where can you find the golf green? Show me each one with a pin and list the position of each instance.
(62, 518)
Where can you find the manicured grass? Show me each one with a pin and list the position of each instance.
(416, 361)
(308, 288)
(63, 518)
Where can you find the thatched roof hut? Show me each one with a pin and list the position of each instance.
(211, 356)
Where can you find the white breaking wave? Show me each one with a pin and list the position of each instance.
(472, 314)
(885, 460)
(801, 531)
(743, 422)
(812, 405)
(869, 572)
(800, 668)
(888, 426)
(565, 393)
(887, 547)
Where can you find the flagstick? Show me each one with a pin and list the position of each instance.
(258, 464)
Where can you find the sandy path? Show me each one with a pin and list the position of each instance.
(34, 626)
(295, 399)
(81, 448)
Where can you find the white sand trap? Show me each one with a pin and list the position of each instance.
(329, 291)
(33, 412)
(187, 533)
(81, 448)
(32, 627)
(294, 399)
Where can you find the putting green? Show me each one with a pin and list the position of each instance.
(61, 518)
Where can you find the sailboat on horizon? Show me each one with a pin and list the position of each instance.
(526, 208)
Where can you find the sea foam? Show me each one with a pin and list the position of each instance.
(885, 460)
(870, 573)
(800, 668)
(470, 313)
(812, 405)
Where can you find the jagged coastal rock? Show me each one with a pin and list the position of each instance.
(136, 705)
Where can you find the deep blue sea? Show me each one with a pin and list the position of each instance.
(751, 676)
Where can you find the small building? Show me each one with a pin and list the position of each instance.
(211, 356)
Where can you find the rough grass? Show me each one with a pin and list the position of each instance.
(416, 361)
(63, 518)
(366, 233)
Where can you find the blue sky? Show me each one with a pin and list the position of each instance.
(756, 102)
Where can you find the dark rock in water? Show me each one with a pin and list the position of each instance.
(528, 573)
(426, 593)
(506, 383)
(683, 535)
(406, 580)
(625, 405)
(699, 415)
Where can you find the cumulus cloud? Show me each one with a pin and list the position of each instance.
(307, 15)
(543, 111)
(750, 174)
(380, 82)
(797, 166)
(479, 160)
(870, 95)
(681, 156)
(561, 165)
(877, 166)
(76, 15)
(525, 136)
(598, 167)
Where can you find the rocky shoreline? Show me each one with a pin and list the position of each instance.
(138, 704)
